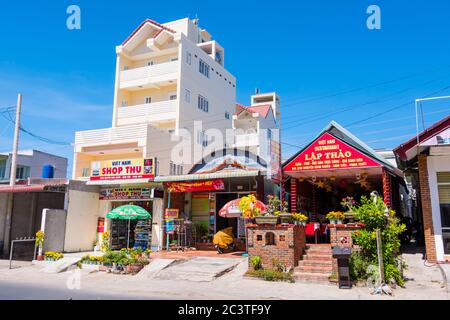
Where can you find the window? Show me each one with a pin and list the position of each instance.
(150, 63)
(86, 172)
(203, 104)
(204, 68)
(202, 138)
(125, 68)
(187, 96)
(124, 103)
(189, 58)
(173, 97)
(2, 169)
(174, 59)
(148, 100)
(270, 239)
(23, 172)
(227, 115)
(443, 179)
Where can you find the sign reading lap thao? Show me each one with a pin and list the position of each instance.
(123, 169)
(329, 153)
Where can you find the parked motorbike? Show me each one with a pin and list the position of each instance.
(224, 241)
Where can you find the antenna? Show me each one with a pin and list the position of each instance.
(196, 20)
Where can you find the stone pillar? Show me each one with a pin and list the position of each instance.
(387, 188)
(293, 195)
(425, 197)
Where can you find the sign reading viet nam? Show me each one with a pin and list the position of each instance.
(123, 169)
(196, 186)
(329, 153)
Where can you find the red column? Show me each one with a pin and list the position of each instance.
(293, 195)
(387, 188)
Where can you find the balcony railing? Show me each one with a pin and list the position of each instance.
(145, 76)
(147, 113)
(110, 135)
(247, 140)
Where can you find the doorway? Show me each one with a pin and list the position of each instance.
(222, 223)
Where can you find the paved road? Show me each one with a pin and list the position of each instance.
(28, 282)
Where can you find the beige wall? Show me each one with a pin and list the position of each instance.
(138, 97)
(81, 225)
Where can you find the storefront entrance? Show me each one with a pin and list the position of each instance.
(223, 223)
(140, 231)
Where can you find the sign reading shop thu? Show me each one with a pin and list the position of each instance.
(123, 169)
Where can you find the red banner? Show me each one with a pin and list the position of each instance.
(329, 153)
(195, 186)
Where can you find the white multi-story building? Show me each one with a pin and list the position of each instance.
(256, 127)
(167, 76)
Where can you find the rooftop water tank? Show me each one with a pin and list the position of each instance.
(48, 171)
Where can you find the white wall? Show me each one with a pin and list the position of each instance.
(220, 94)
(83, 210)
(437, 164)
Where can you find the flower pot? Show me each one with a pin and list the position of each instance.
(333, 221)
(285, 218)
(134, 268)
(40, 258)
(270, 220)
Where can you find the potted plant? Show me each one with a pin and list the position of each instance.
(336, 217)
(278, 208)
(40, 235)
(300, 219)
(348, 203)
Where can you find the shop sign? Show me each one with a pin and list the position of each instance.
(196, 186)
(171, 214)
(128, 193)
(329, 153)
(123, 169)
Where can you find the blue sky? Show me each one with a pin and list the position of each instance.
(318, 55)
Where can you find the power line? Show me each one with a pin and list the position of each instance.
(393, 108)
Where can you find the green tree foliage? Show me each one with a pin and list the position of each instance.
(373, 213)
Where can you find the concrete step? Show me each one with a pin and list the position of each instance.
(315, 262)
(319, 249)
(318, 256)
(312, 277)
(315, 269)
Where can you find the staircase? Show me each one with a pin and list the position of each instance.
(317, 264)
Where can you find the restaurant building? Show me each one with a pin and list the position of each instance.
(425, 160)
(336, 165)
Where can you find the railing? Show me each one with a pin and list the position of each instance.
(149, 74)
(251, 139)
(145, 113)
(111, 134)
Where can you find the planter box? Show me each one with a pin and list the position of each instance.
(134, 268)
(286, 218)
(271, 220)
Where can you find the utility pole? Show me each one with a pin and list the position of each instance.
(12, 176)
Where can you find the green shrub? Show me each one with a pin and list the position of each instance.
(358, 266)
(373, 215)
(272, 275)
(256, 262)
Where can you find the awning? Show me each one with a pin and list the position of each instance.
(22, 188)
(117, 182)
(207, 176)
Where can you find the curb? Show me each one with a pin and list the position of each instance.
(444, 276)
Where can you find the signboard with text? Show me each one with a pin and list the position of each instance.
(196, 186)
(128, 193)
(329, 153)
(123, 169)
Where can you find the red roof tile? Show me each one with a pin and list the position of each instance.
(262, 110)
(145, 22)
